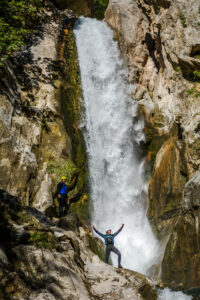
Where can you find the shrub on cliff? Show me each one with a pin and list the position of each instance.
(100, 7)
(16, 23)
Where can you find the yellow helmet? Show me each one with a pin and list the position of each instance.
(63, 178)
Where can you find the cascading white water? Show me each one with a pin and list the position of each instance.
(167, 294)
(118, 188)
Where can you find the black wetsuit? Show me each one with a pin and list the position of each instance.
(109, 242)
(62, 191)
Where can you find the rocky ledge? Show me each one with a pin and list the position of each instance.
(40, 260)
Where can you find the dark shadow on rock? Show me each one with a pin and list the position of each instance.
(69, 222)
(9, 200)
(151, 46)
(39, 216)
(194, 292)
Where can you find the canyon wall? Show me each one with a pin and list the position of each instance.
(40, 104)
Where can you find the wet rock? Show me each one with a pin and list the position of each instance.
(166, 187)
(182, 252)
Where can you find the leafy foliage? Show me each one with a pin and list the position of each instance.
(100, 7)
(196, 74)
(16, 23)
(62, 168)
(193, 92)
(183, 19)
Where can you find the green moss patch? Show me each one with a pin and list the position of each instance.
(183, 19)
(97, 247)
(42, 240)
(99, 8)
(196, 75)
(62, 168)
(82, 208)
(193, 92)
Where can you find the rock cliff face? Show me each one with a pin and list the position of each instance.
(40, 100)
(160, 43)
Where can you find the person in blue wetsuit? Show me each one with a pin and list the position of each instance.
(109, 242)
(63, 190)
(62, 197)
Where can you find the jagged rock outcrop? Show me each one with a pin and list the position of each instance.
(39, 260)
(159, 41)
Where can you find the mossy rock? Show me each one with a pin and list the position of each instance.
(43, 240)
(165, 187)
(99, 8)
(60, 168)
(71, 106)
(147, 292)
(79, 7)
(82, 208)
(180, 266)
(97, 247)
(86, 8)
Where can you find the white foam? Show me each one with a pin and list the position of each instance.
(167, 294)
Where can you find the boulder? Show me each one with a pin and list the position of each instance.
(69, 222)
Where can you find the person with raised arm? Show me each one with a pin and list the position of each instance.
(109, 242)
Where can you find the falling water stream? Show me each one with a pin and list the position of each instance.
(112, 135)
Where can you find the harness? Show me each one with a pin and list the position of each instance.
(109, 240)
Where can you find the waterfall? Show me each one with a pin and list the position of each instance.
(118, 188)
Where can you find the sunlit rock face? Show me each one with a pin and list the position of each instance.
(159, 41)
(30, 104)
(39, 95)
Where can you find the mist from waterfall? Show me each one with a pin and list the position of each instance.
(118, 188)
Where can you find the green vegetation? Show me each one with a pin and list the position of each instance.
(193, 91)
(72, 106)
(198, 23)
(16, 23)
(196, 75)
(157, 9)
(197, 56)
(44, 124)
(183, 19)
(81, 208)
(177, 69)
(62, 168)
(99, 8)
(97, 246)
(42, 240)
